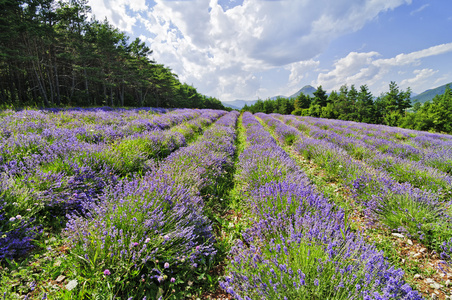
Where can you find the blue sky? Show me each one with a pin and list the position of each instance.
(249, 49)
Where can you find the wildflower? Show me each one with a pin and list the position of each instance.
(107, 272)
(135, 244)
(12, 219)
(172, 279)
(160, 278)
(166, 265)
(147, 240)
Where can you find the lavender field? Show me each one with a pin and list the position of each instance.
(208, 204)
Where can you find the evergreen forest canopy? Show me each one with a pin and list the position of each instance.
(52, 55)
(393, 108)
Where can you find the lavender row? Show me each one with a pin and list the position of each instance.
(419, 173)
(28, 135)
(120, 121)
(433, 150)
(40, 190)
(152, 229)
(299, 246)
(420, 214)
(63, 182)
(417, 138)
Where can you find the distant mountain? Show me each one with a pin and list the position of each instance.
(429, 94)
(227, 104)
(239, 104)
(307, 90)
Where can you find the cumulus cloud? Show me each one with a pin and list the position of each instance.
(352, 68)
(299, 70)
(422, 76)
(414, 57)
(118, 12)
(200, 40)
(367, 68)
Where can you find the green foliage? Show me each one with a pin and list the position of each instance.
(302, 101)
(320, 97)
(52, 55)
(434, 115)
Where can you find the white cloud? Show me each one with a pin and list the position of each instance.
(355, 67)
(419, 9)
(363, 68)
(420, 79)
(414, 57)
(200, 41)
(116, 12)
(299, 69)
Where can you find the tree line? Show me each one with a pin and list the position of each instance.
(393, 108)
(51, 54)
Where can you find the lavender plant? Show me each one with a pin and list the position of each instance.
(401, 206)
(151, 233)
(144, 232)
(299, 243)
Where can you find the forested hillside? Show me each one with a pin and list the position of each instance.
(51, 54)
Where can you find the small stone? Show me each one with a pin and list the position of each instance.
(417, 255)
(71, 285)
(434, 296)
(60, 278)
(448, 282)
(436, 286)
(410, 242)
(429, 280)
(422, 250)
(449, 275)
(417, 276)
(398, 235)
